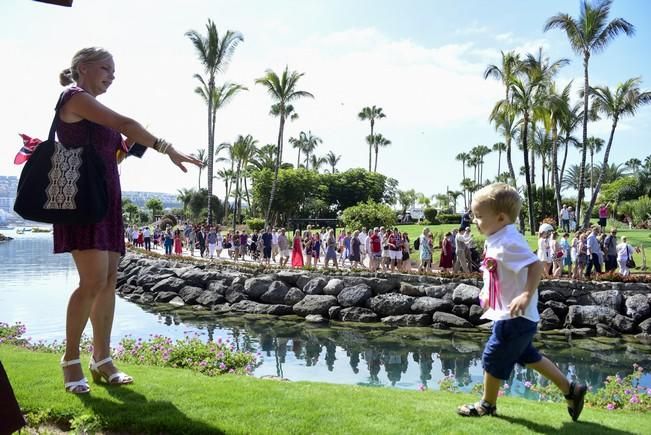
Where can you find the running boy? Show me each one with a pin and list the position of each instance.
(511, 276)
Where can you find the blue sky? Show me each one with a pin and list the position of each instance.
(422, 61)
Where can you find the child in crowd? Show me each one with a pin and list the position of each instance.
(511, 276)
(567, 253)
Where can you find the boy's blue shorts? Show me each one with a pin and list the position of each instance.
(510, 343)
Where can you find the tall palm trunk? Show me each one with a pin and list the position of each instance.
(199, 186)
(564, 159)
(557, 184)
(527, 174)
(499, 161)
(465, 194)
(248, 198)
(236, 202)
(279, 154)
(370, 146)
(298, 159)
(229, 185)
(376, 152)
(591, 172)
(593, 200)
(586, 89)
(211, 147)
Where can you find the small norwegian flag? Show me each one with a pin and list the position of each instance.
(29, 145)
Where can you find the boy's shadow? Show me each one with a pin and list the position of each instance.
(567, 428)
(152, 416)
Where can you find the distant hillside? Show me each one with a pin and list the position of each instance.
(140, 198)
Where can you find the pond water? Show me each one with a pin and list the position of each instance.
(35, 286)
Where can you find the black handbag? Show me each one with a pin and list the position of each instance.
(630, 263)
(62, 185)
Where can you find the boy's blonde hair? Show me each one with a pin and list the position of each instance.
(500, 198)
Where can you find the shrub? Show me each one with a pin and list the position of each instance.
(368, 214)
(641, 209)
(430, 214)
(255, 224)
(168, 220)
(448, 218)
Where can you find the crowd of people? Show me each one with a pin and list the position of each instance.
(586, 252)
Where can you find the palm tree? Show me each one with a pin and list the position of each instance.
(371, 114)
(228, 177)
(266, 158)
(203, 158)
(379, 141)
(332, 159)
(454, 194)
(588, 34)
(567, 126)
(316, 162)
(500, 147)
(244, 150)
(297, 143)
(184, 195)
(503, 116)
(309, 145)
(283, 91)
(626, 99)
(214, 54)
(463, 158)
(595, 144)
(571, 178)
(480, 151)
(633, 165)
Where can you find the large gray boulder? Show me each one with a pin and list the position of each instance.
(623, 324)
(637, 307)
(315, 286)
(612, 299)
(253, 307)
(334, 287)
(302, 280)
(551, 295)
(171, 284)
(219, 287)
(148, 281)
(549, 320)
(354, 296)
(465, 294)
(233, 295)
(289, 277)
(358, 314)
(410, 290)
(165, 296)
(294, 295)
(315, 304)
(256, 287)
(428, 305)
(276, 293)
(589, 315)
(645, 326)
(382, 286)
(461, 311)
(560, 309)
(435, 291)
(189, 294)
(391, 304)
(475, 315)
(408, 320)
(176, 302)
(195, 277)
(209, 298)
(444, 320)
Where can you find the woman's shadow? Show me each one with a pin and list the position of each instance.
(584, 427)
(152, 416)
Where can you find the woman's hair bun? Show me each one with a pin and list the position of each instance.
(65, 77)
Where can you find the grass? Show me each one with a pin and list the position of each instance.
(166, 400)
(635, 237)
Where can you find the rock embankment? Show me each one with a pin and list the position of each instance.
(583, 308)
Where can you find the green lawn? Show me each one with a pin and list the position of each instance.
(164, 400)
(635, 237)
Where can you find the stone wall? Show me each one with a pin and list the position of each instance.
(583, 308)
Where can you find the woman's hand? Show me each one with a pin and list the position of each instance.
(179, 158)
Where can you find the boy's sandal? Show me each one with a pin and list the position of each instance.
(577, 396)
(478, 409)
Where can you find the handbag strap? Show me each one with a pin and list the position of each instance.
(55, 121)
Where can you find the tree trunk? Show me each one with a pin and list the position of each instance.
(199, 187)
(602, 174)
(248, 198)
(298, 159)
(527, 174)
(586, 89)
(557, 184)
(499, 161)
(370, 146)
(279, 156)
(376, 151)
(236, 201)
(465, 194)
(211, 148)
(591, 173)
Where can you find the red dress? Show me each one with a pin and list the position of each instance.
(446, 254)
(297, 253)
(107, 234)
(178, 246)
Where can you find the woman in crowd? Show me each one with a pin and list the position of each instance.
(96, 248)
(624, 255)
(543, 252)
(581, 256)
(425, 248)
(331, 253)
(446, 261)
(297, 250)
(556, 252)
(355, 251)
(178, 243)
(406, 257)
(567, 253)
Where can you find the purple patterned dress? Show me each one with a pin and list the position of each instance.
(107, 234)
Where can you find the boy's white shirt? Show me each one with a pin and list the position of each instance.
(513, 255)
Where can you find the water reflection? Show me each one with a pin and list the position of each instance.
(403, 358)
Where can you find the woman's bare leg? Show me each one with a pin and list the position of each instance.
(92, 266)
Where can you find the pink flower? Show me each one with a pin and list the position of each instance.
(527, 384)
(634, 399)
(506, 386)
(610, 406)
(422, 387)
(648, 391)
(501, 393)
(627, 392)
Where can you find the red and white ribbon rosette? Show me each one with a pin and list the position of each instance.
(494, 295)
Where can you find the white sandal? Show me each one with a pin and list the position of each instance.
(75, 387)
(117, 378)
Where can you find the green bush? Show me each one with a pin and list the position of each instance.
(368, 214)
(449, 218)
(641, 209)
(255, 224)
(430, 214)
